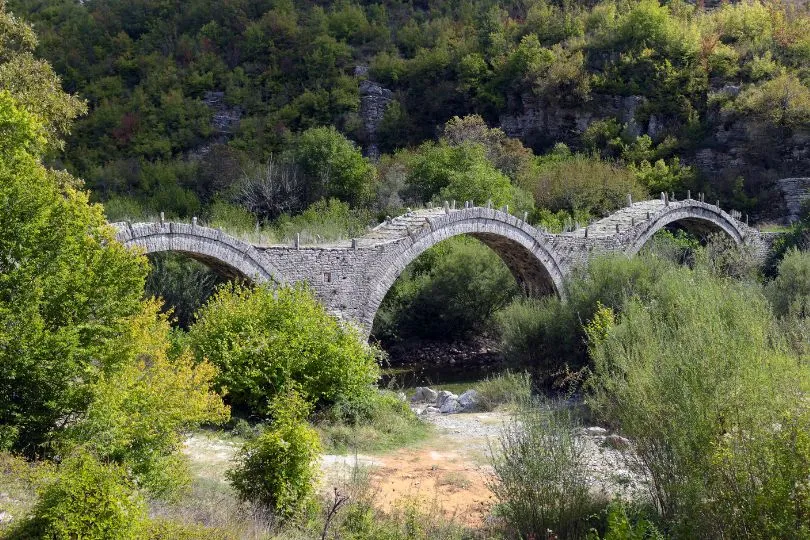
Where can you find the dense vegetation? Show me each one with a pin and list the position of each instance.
(689, 351)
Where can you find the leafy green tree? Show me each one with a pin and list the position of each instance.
(463, 172)
(334, 166)
(696, 377)
(789, 292)
(450, 291)
(32, 82)
(263, 339)
(67, 289)
(141, 411)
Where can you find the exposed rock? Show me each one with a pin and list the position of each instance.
(617, 442)
(401, 396)
(443, 396)
(469, 400)
(431, 410)
(796, 192)
(374, 100)
(424, 394)
(451, 405)
(595, 430)
(225, 119)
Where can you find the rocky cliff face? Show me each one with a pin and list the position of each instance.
(733, 147)
(374, 100)
(796, 192)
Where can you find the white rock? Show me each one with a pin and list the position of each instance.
(450, 405)
(468, 400)
(595, 430)
(443, 396)
(424, 394)
(431, 410)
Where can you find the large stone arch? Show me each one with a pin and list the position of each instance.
(221, 252)
(527, 253)
(694, 216)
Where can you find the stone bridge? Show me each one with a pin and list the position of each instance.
(351, 278)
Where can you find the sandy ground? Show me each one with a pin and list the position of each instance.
(448, 473)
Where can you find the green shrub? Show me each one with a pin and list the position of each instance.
(789, 292)
(230, 217)
(542, 485)
(263, 339)
(507, 388)
(121, 208)
(373, 424)
(278, 468)
(547, 334)
(620, 526)
(323, 221)
(182, 283)
(140, 412)
(695, 376)
(86, 499)
(575, 182)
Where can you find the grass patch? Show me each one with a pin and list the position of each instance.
(387, 425)
(507, 388)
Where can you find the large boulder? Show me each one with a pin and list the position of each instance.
(443, 396)
(450, 405)
(424, 395)
(469, 400)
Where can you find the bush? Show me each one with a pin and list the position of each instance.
(547, 334)
(263, 339)
(278, 468)
(695, 376)
(373, 424)
(509, 387)
(542, 485)
(575, 182)
(789, 293)
(182, 283)
(87, 499)
(323, 221)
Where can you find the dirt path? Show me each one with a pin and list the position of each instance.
(448, 473)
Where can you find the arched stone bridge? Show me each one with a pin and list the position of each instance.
(351, 278)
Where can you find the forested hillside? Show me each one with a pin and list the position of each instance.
(189, 102)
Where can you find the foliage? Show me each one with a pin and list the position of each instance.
(370, 424)
(67, 290)
(781, 102)
(325, 220)
(541, 480)
(262, 340)
(620, 526)
(333, 166)
(140, 413)
(695, 377)
(86, 499)
(789, 292)
(277, 469)
(449, 291)
(507, 388)
(547, 335)
(575, 182)
(461, 173)
(182, 283)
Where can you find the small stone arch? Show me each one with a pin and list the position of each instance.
(221, 252)
(527, 253)
(694, 216)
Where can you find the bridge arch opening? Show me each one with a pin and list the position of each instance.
(699, 222)
(523, 253)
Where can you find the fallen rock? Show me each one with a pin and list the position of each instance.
(431, 410)
(595, 431)
(450, 405)
(617, 442)
(424, 395)
(443, 396)
(469, 400)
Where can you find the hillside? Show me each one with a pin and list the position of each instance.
(185, 96)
